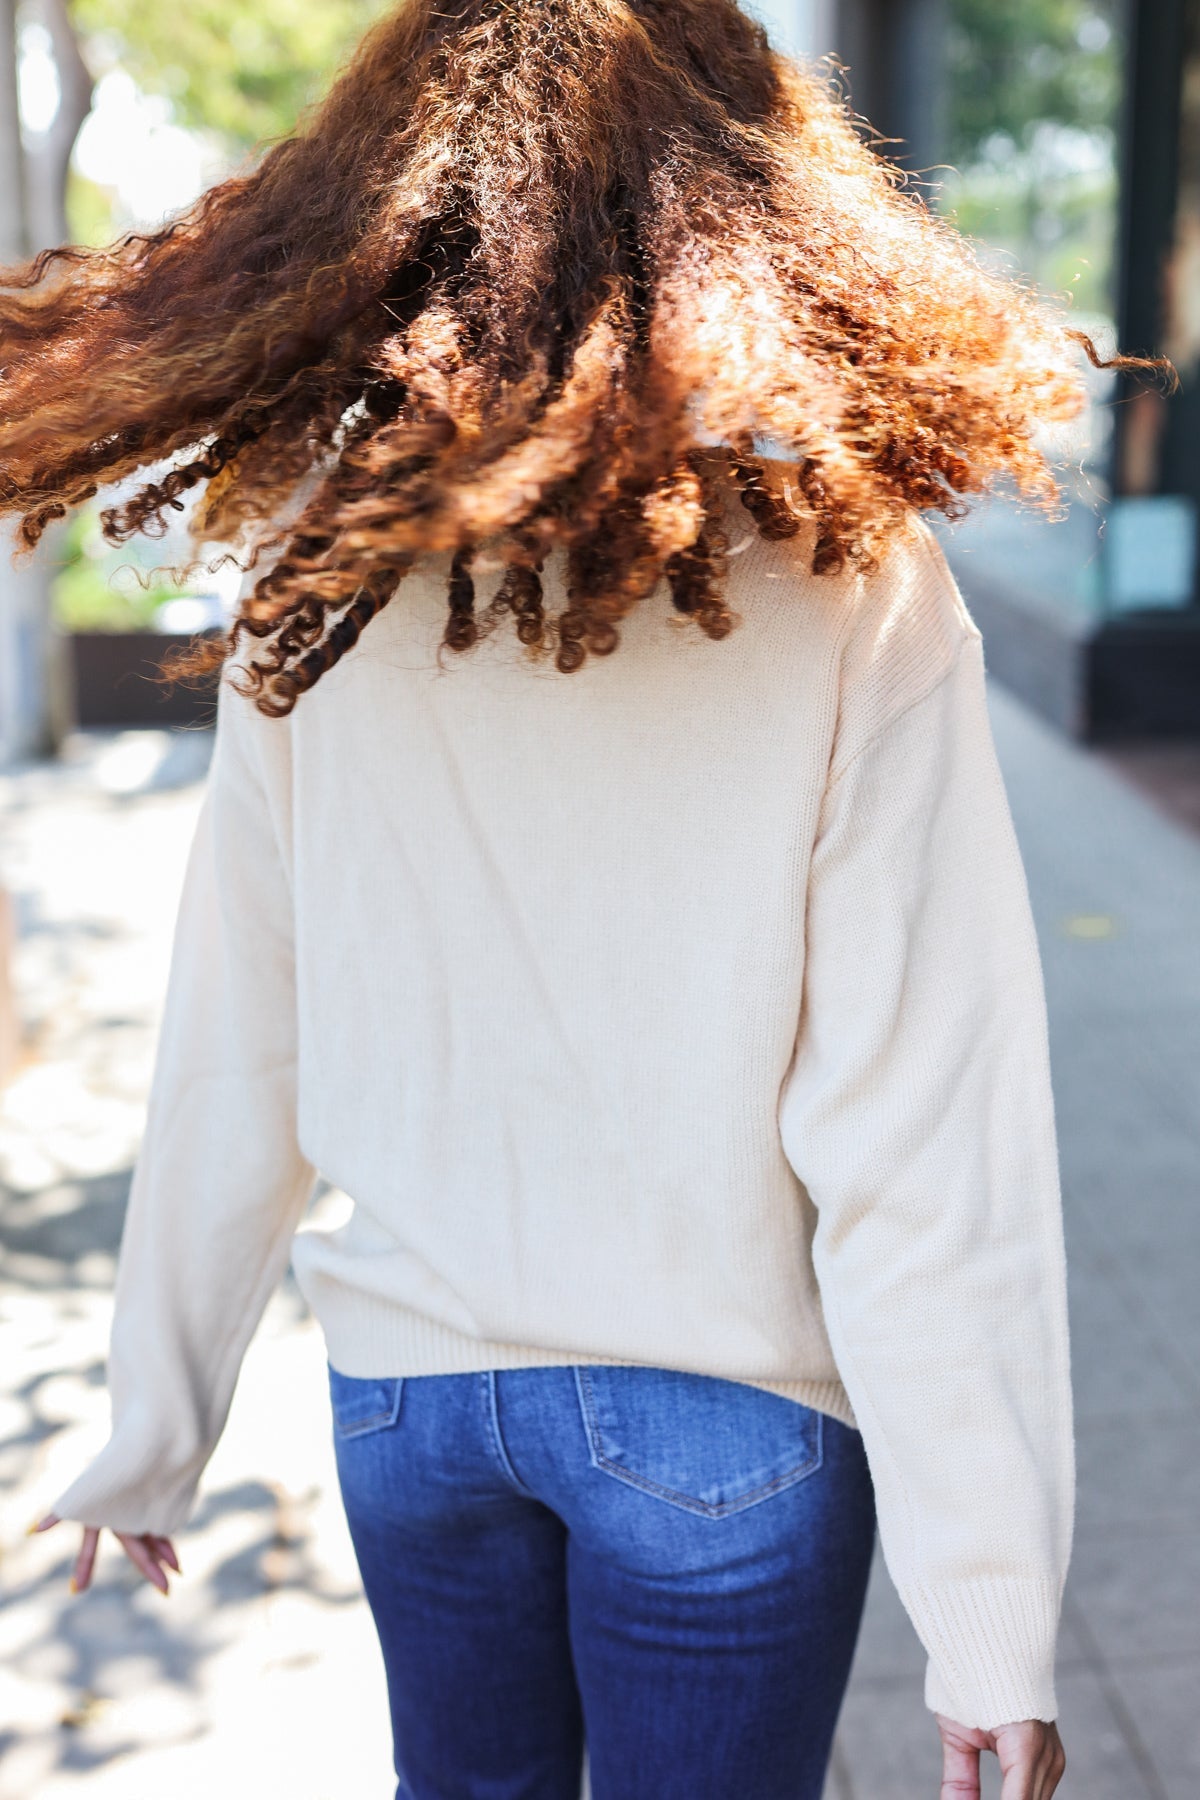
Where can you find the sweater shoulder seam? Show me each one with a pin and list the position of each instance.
(942, 675)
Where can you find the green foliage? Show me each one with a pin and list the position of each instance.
(1011, 66)
(1059, 232)
(89, 210)
(1033, 94)
(242, 71)
(101, 589)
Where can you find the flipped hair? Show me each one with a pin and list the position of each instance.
(498, 292)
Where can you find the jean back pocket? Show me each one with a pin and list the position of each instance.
(361, 1404)
(699, 1442)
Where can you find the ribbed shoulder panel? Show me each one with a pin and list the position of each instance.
(909, 624)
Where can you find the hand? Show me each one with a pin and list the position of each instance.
(1031, 1759)
(146, 1552)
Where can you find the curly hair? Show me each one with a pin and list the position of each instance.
(501, 292)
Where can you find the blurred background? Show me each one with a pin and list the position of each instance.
(1064, 137)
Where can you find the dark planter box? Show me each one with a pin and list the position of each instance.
(117, 680)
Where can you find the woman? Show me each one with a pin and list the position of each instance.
(674, 1017)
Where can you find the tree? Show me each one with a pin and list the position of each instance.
(1033, 91)
(242, 72)
(49, 152)
(30, 674)
(13, 224)
(1011, 67)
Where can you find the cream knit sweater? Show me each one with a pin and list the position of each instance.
(686, 1010)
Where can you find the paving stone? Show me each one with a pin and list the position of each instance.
(888, 1745)
(1139, 1469)
(888, 1647)
(1173, 1043)
(1129, 1171)
(1074, 1649)
(1100, 1762)
(1167, 1281)
(1136, 1589)
(1122, 1361)
(1165, 1703)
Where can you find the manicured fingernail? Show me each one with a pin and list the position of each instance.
(73, 1585)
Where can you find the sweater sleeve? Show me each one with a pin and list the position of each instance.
(220, 1184)
(918, 1114)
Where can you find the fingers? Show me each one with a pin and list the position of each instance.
(165, 1550)
(1019, 1781)
(1057, 1770)
(1058, 1766)
(85, 1562)
(147, 1551)
(960, 1771)
(142, 1555)
(1030, 1755)
(1050, 1771)
(1032, 1760)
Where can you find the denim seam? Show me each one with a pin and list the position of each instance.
(492, 1417)
(687, 1502)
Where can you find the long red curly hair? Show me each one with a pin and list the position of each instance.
(497, 294)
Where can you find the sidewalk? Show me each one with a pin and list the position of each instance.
(259, 1675)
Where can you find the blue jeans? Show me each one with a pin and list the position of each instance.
(671, 1564)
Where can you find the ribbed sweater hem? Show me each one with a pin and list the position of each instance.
(381, 1339)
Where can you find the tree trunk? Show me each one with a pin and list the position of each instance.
(33, 184)
(14, 237)
(48, 156)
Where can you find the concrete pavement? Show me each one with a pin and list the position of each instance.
(259, 1675)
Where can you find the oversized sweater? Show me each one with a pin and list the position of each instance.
(685, 1010)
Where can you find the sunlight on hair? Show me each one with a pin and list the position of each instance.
(532, 280)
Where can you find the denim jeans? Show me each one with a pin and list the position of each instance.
(670, 1564)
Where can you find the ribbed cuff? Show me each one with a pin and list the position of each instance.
(991, 1647)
